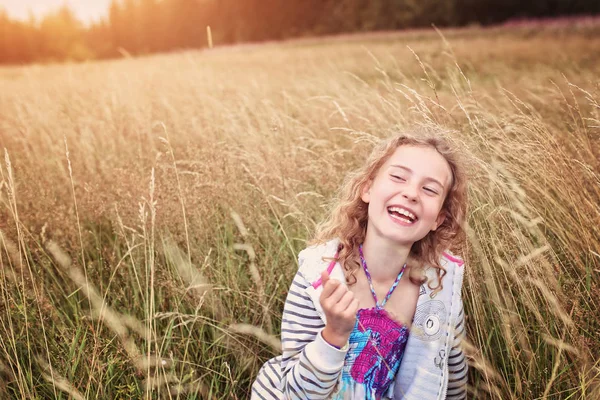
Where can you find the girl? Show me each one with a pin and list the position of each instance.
(375, 310)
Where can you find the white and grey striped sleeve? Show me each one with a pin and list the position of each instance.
(267, 383)
(457, 363)
(310, 366)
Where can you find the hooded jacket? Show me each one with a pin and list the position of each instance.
(433, 366)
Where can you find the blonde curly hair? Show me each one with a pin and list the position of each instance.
(349, 214)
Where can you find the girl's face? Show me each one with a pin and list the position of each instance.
(406, 196)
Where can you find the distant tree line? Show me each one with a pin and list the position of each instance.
(147, 26)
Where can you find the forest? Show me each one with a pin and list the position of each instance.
(137, 27)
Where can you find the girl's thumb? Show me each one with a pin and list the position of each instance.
(324, 277)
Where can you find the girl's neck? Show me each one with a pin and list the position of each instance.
(384, 259)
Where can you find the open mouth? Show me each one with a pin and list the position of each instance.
(402, 214)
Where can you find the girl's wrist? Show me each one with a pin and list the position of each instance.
(334, 339)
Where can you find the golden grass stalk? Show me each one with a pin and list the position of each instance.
(258, 282)
(100, 309)
(59, 381)
(12, 251)
(197, 285)
(258, 333)
(209, 37)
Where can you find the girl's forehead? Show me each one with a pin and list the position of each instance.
(421, 160)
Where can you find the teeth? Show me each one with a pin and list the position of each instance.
(403, 212)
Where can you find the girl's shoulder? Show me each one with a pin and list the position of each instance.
(454, 260)
(451, 263)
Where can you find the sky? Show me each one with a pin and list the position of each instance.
(85, 10)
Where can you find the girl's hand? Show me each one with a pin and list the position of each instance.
(340, 309)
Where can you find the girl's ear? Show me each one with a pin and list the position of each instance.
(365, 193)
(439, 220)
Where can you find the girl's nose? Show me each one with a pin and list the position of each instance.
(410, 193)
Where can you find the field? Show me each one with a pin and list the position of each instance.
(152, 208)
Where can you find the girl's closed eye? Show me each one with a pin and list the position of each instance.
(397, 178)
(431, 190)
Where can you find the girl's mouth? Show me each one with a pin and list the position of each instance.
(402, 215)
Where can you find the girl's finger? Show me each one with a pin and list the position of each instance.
(337, 294)
(350, 312)
(329, 286)
(345, 301)
(353, 307)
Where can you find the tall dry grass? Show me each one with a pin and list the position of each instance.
(152, 208)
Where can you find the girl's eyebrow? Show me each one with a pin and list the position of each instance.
(411, 171)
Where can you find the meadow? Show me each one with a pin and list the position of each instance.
(151, 209)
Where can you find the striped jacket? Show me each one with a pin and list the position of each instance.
(433, 365)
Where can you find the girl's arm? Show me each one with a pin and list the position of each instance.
(457, 364)
(310, 366)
